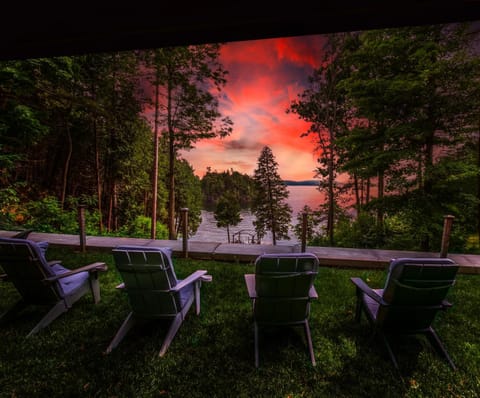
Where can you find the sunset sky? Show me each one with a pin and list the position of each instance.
(264, 77)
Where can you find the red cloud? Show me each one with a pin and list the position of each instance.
(265, 76)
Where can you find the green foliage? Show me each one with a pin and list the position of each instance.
(472, 244)
(215, 184)
(187, 82)
(412, 135)
(188, 194)
(9, 210)
(74, 127)
(323, 104)
(314, 224)
(227, 212)
(396, 109)
(47, 215)
(363, 232)
(408, 134)
(212, 355)
(141, 226)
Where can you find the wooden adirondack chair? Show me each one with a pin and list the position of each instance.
(414, 292)
(281, 291)
(154, 291)
(43, 283)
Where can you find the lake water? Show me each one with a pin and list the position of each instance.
(300, 195)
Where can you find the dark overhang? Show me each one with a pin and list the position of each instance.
(43, 30)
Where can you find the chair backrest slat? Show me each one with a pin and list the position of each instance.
(149, 277)
(282, 283)
(27, 268)
(415, 289)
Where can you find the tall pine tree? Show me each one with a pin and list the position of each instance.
(271, 211)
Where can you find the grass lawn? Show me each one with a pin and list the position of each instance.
(213, 354)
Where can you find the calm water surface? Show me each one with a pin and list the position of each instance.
(299, 197)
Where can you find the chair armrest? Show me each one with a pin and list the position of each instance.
(362, 286)
(197, 275)
(99, 266)
(4, 277)
(51, 263)
(204, 278)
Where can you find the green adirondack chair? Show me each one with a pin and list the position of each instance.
(154, 291)
(415, 291)
(44, 283)
(281, 291)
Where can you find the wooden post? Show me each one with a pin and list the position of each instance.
(447, 227)
(185, 231)
(81, 225)
(304, 231)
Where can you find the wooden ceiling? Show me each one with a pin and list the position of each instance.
(42, 30)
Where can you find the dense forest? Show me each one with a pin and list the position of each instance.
(396, 111)
(394, 115)
(104, 131)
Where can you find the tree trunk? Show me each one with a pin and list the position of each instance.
(171, 167)
(380, 199)
(331, 193)
(67, 166)
(427, 185)
(110, 212)
(98, 176)
(367, 195)
(171, 189)
(478, 187)
(115, 206)
(153, 231)
(357, 193)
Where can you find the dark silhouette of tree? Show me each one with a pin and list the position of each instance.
(215, 184)
(187, 83)
(414, 87)
(323, 105)
(271, 211)
(227, 212)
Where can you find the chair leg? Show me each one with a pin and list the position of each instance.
(358, 307)
(439, 347)
(309, 342)
(389, 349)
(172, 331)
(197, 296)
(127, 324)
(57, 310)
(94, 286)
(255, 332)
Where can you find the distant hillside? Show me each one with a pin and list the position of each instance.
(306, 182)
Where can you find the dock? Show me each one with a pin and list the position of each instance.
(247, 253)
